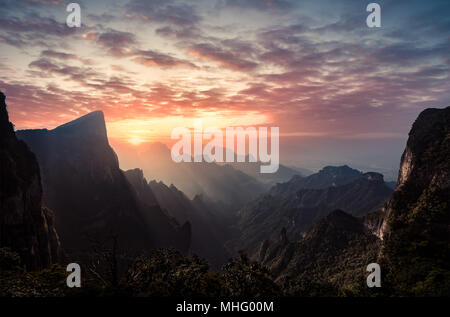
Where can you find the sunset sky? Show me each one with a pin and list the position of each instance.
(338, 90)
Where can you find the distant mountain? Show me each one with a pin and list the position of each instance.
(90, 195)
(252, 169)
(219, 183)
(26, 226)
(303, 171)
(391, 184)
(326, 177)
(208, 227)
(296, 205)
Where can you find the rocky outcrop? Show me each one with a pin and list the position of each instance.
(416, 227)
(425, 162)
(25, 225)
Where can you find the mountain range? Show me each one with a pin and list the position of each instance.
(408, 237)
(221, 183)
(62, 190)
(298, 204)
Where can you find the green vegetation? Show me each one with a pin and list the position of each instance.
(165, 272)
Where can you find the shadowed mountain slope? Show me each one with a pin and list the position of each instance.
(25, 225)
(296, 205)
(221, 183)
(209, 228)
(90, 195)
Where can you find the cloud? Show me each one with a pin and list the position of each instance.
(48, 2)
(64, 56)
(80, 75)
(36, 24)
(261, 5)
(312, 75)
(117, 43)
(151, 59)
(179, 32)
(32, 30)
(226, 58)
(164, 11)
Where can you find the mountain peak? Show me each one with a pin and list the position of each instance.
(92, 117)
(337, 220)
(374, 177)
(339, 170)
(92, 124)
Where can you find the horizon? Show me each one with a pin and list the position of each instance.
(124, 148)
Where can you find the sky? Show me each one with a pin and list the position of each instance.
(340, 92)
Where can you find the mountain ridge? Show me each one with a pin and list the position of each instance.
(297, 204)
(90, 195)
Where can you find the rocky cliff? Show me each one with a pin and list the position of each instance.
(90, 195)
(25, 225)
(416, 227)
(414, 252)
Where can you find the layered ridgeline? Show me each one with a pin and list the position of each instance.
(299, 203)
(26, 226)
(221, 183)
(208, 224)
(253, 169)
(409, 237)
(90, 196)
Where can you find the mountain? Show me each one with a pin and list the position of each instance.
(416, 229)
(300, 170)
(391, 184)
(209, 228)
(409, 237)
(296, 205)
(220, 183)
(90, 195)
(283, 174)
(329, 260)
(26, 226)
(326, 177)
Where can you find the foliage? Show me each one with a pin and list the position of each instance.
(248, 278)
(166, 272)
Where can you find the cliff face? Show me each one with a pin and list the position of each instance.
(90, 195)
(416, 229)
(25, 225)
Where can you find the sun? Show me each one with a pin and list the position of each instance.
(136, 140)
